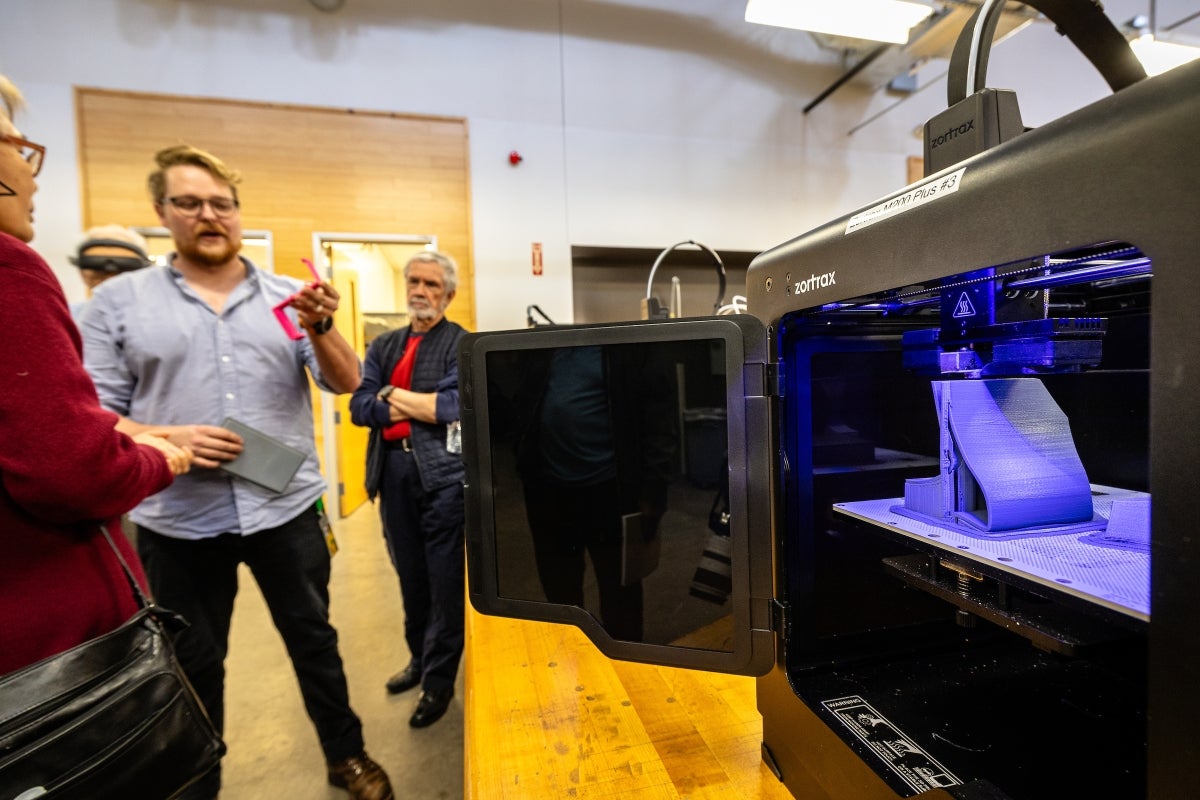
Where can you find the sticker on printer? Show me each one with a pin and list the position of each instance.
(915, 197)
(964, 308)
(902, 755)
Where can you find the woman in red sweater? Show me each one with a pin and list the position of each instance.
(64, 469)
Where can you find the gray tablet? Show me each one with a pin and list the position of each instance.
(266, 461)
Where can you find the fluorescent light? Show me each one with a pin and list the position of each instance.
(1158, 56)
(878, 20)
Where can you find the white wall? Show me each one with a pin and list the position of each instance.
(641, 124)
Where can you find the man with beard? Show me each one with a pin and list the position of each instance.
(409, 400)
(184, 347)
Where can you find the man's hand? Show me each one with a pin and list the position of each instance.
(316, 302)
(405, 404)
(396, 409)
(211, 444)
(315, 305)
(179, 459)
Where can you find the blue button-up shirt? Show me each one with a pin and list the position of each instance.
(160, 355)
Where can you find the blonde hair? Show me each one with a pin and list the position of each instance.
(185, 154)
(11, 102)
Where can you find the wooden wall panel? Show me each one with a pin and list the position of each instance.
(915, 166)
(304, 170)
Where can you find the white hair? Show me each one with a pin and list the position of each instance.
(449, 267)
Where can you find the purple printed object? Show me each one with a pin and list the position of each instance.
(1008, 459)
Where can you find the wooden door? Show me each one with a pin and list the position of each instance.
(366, 269)
(351, 439)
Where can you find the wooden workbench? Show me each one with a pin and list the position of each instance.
(549, 716)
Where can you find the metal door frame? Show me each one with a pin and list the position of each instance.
(328, 421)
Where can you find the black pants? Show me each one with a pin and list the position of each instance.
(199, 579)
(424, 533)
(568, 521)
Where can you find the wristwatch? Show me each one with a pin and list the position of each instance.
(383, 393)
(321, 327)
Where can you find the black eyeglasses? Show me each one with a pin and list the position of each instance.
(190, 206)
(34, 154)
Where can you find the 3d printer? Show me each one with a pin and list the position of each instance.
(887, 526)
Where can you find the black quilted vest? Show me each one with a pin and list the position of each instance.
(436, 467)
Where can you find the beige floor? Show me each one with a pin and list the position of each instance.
(273, 750)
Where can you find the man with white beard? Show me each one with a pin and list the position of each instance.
(409, 400)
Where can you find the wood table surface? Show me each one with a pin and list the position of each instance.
(549, 716)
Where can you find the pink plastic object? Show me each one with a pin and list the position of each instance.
(285, 321)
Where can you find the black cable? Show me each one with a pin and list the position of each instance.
(716, 259)
(1081, 21)
(850, 73)
(1183, 21)
(530, 321)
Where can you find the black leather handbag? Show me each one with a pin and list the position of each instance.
(114, 717)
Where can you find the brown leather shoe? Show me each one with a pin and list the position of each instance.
(361, 777)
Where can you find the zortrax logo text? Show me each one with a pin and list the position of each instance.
(817, 282)
(951, 134)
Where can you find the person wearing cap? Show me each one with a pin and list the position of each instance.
(105, 252)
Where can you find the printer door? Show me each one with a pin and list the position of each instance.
(622, 478)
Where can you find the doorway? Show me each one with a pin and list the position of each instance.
(367, 270)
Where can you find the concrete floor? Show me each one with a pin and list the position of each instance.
(273, 749)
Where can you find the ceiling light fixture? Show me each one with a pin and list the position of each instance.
(1156, 55)
(877, 20)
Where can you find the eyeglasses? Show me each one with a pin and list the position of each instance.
(190, 206)
(34, 154)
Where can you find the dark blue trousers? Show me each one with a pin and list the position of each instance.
(424, 533)
(199, 579)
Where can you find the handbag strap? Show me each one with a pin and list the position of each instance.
(138, 594)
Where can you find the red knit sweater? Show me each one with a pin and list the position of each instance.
(63, 469)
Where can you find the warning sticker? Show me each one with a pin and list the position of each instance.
(964, 307)
(903, 756)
